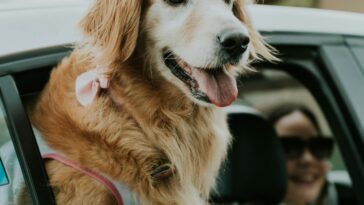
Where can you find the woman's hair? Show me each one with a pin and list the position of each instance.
(286, 109)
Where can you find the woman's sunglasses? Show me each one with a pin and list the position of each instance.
(320, 147)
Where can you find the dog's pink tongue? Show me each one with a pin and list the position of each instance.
(219, 87)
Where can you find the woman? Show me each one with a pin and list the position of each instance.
(307, 153)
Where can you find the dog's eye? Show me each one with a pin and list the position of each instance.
(175, 2)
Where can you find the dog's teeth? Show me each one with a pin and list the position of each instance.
(184, 66)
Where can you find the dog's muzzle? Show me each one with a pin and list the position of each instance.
(211, 85)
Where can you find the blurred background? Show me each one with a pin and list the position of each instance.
(345, 5)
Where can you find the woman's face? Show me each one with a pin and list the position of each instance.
(306, 174)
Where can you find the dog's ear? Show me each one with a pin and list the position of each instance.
(261, 50)
(111, 28)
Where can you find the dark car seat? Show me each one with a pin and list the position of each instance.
(255, 171)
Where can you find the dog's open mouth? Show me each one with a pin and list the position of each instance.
(212, 85)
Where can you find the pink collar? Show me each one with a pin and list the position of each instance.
(103, 180)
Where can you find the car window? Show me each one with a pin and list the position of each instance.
(269, 88)
(4, 180)
(4, 132)
(11, 176)
(4, 137)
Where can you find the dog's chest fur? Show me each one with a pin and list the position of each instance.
(152, 126)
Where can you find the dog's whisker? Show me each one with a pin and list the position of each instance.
(172, 58)
(169, 55)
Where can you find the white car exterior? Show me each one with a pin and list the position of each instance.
(36, 24)
(33, 24)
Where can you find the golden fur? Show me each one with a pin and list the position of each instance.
(140, 123)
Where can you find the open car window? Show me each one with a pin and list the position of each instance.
(270, 88)
(11, 175)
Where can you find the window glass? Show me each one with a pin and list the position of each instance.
(4, 180)
(4, 132)
(11, 177)
(269, 89)
(359, 55)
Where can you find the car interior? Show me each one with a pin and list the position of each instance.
(254, 172)
(268, 88)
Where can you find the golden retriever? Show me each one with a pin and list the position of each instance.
(155, 125)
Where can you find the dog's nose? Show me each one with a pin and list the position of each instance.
(233, 43)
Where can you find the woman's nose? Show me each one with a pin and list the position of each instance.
(307, 156)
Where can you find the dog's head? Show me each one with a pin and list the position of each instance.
(197, 45)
